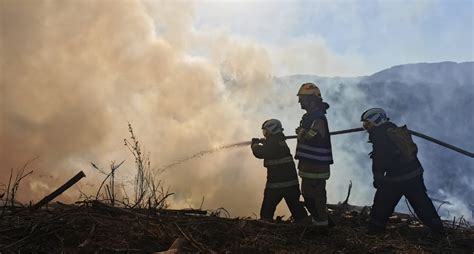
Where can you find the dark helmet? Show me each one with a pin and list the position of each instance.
(272, 126)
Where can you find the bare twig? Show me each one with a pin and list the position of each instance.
(110, 176)
(148, 191)
(202, 202)
(8, 191)
(411, 212)
(190, 240)
(89, 237)
(348, 193)
(442, 203)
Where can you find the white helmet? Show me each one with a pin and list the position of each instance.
(375, 116)
(272, 126)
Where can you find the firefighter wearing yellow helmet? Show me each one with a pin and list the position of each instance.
(314, 152)
(309, 89)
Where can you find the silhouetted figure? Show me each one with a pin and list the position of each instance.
(313, 150)
(282, 181)
(397, 172)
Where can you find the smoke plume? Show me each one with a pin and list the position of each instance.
(75, 72)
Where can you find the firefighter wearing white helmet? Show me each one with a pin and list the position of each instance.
(397, 172)
(271, 126)
(313, 150)
(373, 117)
(282, 181)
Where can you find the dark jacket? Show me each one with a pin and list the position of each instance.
(277, 159)
(386, 156)
(318, 149)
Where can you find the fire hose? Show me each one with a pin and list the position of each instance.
(418, 134)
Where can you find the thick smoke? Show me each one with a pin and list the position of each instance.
(430, 98)
(74, 73)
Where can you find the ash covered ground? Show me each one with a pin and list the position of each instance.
(96, 227)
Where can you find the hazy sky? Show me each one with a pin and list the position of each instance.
(370, 35)
(190, 76)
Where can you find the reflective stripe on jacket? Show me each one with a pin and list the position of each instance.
(284, 160)
(318, 149)
(309, 175)
(309, 170)
(277, 159)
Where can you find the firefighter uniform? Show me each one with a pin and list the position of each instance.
(282, 181)
(314, 153)
(394, 178)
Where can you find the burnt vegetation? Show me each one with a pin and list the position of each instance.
(111, 221)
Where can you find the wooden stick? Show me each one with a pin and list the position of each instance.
(59, 191)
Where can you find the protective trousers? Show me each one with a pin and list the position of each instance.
(273, 196)
(388, 195)
(314, 194)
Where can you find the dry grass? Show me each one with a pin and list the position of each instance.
(94, 227)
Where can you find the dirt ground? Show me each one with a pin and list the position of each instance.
(94, 227)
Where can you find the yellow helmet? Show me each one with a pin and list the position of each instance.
(309, 89)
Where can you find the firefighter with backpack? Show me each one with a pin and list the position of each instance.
(397, 172)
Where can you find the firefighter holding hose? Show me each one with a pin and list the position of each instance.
(314, 152)
(397, 172)
(282, 181)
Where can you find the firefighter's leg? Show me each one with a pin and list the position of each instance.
(314, 194)
(292, 199)
(422, 204)
(308, 192)
(271, 198)
(385, 199)
(321, 199)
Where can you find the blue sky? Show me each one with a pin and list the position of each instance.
(356, 37)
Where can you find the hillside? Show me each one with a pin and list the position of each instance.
(416, 95)
(432, 98)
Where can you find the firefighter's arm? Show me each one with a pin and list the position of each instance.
(259, 148)
(317, 127)
(378, 170)
(265, 149)
(380, 158)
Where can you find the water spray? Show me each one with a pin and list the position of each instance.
(202, 153)
(245, 143)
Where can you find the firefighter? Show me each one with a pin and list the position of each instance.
(313, 150)
(282, 181)
(397, 172)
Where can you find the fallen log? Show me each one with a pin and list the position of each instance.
(59, 191)
(116, 210)
(171, 212)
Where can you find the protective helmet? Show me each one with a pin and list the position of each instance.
(272, 126)
(375, 116)
(309, 89)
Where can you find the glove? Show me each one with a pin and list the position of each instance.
(300, 132)
(255, 141)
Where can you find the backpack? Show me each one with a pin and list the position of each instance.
(401, 138)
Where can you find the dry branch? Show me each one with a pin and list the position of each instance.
(59, 190)
(104, 228)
